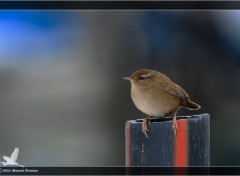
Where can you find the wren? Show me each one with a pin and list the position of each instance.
(156, 95)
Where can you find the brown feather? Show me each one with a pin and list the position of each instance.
(190, 105)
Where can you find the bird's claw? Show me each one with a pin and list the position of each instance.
(175, 128)
(144, 130)
(144, 126)
(174, 125)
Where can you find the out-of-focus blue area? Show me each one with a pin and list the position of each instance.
(34, 32)
(159, 27)
(62, 99)
(228, 26)
(46, 20)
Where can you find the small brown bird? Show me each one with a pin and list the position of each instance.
(155, 94)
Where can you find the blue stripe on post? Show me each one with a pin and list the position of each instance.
(199, 140)
(128, 144)
(156, 150)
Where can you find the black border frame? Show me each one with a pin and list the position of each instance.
(119, 5)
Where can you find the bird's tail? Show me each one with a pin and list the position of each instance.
(190, 105)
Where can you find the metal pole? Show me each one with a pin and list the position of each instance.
(190, 147)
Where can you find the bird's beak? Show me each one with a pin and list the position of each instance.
(127, 78)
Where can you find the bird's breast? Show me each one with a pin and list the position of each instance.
(154, 102)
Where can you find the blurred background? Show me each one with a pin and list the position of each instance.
(62, 99)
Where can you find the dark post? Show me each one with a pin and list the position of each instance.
(190, 147)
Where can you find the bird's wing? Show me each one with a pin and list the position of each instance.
(176, 90)
(14, 155)
(6, 158)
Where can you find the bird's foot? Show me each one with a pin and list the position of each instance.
(174, 124)
(145, 123)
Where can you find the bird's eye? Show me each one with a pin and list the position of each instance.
(142, 78)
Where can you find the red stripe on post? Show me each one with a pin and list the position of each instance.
(181, 144)
(128, 145)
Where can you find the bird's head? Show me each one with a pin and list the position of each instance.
(143, 78)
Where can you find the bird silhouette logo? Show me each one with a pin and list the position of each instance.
(13, 158)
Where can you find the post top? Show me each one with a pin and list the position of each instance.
(160, 120)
